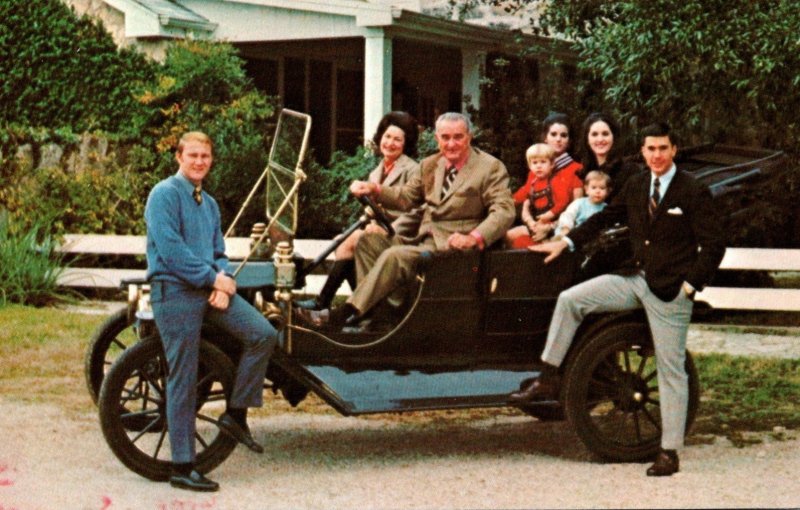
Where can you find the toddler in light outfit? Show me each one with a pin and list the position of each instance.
(597, 186)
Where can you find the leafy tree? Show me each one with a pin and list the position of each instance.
(59, 70)
(203, 86)
(715, 69)
(200, 86)
(721, 71)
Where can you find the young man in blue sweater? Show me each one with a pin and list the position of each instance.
(187, 271)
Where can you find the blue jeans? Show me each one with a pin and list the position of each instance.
(180, 312)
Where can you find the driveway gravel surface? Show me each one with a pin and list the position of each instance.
(50, 459)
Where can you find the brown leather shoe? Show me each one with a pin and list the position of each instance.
(666, 464)
(544, 387)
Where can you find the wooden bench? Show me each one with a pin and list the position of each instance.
(777, 262)
(125, 245)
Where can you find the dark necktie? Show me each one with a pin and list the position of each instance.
(197, 194)
(655, 198)
(449, 177)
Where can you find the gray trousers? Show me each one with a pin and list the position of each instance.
(179, 313)
(669, 324)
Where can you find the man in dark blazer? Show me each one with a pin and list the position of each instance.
(677, 246)
(466, 204)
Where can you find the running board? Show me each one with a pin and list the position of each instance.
(381, 391)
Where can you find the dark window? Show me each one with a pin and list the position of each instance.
(319, 104)
(349, 109)
(533, 71)
(294, 93)
(264, 74)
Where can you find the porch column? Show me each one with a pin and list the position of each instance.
(377, 79)
(473, 65)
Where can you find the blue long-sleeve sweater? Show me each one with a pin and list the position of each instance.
(184, 238)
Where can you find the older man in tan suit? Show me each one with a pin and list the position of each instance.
(467, 205)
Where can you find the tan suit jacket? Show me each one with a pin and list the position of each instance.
(479, 199)
(404, 169)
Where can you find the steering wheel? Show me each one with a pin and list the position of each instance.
(376, 213)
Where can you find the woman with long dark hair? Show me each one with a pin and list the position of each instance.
(600, 151)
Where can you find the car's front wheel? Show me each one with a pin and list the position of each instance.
(611, 393)
(134, 389)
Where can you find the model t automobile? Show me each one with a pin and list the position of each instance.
(473, 329)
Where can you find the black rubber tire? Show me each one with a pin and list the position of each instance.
(136, 384)
(610, 393)
(113, 336)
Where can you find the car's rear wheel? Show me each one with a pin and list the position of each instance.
(113, 336)
(611, 393)
(135, 389)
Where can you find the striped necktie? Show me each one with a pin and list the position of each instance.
(449, 177)
(197, 194)
(655, 198)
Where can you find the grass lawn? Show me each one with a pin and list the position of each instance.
(42, 350)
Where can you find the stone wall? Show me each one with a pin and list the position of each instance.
(90, 151)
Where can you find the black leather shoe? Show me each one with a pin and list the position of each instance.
(666, 464)
(229, 426)
(357, 325)
(326, 319)
(194, 481)
(544, 387)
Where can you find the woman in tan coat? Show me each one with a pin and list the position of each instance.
(395, 140)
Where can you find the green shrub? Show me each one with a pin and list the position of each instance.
(202, 86)
(61, 70)
(326, 205)
(29, 266)
(89, 201)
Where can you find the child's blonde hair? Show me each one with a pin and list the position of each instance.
(598, 175)
(540, 150)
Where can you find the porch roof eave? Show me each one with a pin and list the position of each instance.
(143, 22)
(422, 27)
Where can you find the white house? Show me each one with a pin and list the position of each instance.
(346, 62)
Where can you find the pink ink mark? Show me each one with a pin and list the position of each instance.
(5, 482)
(106, 503)
(184, 504)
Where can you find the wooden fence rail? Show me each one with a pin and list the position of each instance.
(777, 261)
(236, 248)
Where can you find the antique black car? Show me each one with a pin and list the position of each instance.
(473, 330)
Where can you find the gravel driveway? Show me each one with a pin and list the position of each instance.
(320, 461)
(49, 460)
